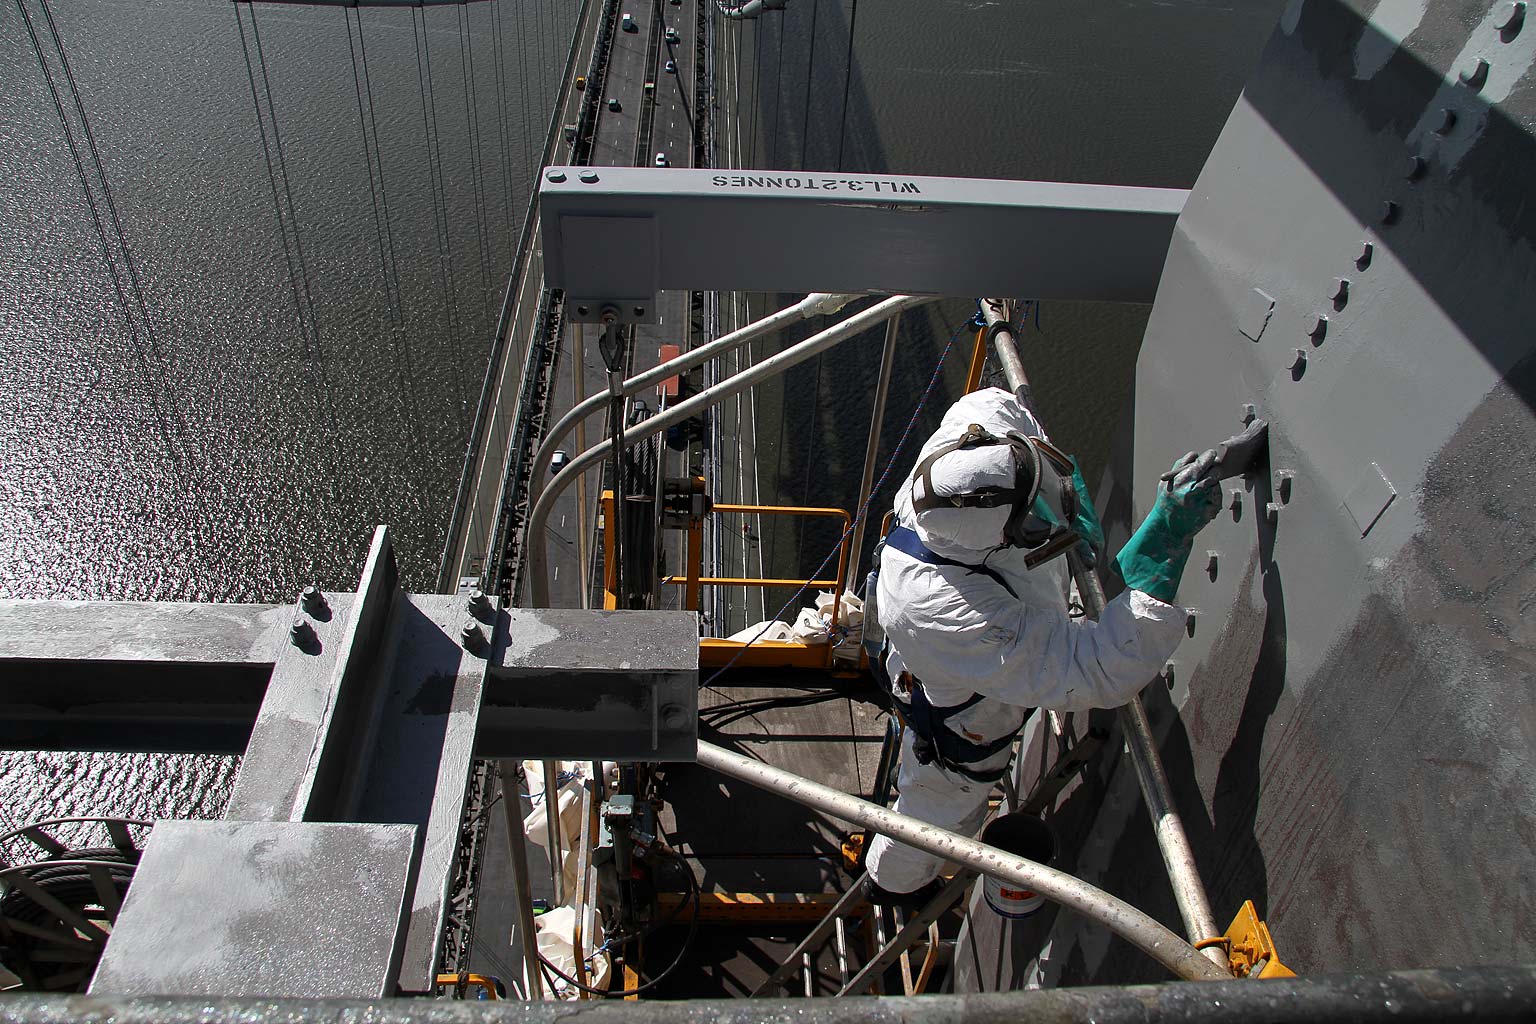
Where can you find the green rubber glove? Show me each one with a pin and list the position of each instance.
(1086, 525)
(1153, 560)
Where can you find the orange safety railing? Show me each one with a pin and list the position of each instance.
(765, 653)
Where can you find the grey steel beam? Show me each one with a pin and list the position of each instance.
(192, 678)
(263, 909)
(612, 685)
(1490, 995)
(616, 236)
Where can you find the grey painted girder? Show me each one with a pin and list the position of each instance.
(370, 708)
(263, 909)
(618, 235)
(197, 682)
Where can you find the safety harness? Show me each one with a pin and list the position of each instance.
(934, 739)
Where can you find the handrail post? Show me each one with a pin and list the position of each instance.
(872, 449)
(1172, 840)
(522, 882)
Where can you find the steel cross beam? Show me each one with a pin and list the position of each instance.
(359, 715)
(615, 236)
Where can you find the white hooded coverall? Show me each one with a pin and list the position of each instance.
(960, 633)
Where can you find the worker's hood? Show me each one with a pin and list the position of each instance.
(968, 534)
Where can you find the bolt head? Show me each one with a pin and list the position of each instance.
(1510, 19)
(312, 599)
(555, 176)
(1474, 75)
(301, 632)
(673, 716)
(472, 637)
(1446, 121)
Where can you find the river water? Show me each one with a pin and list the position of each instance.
(243, 436)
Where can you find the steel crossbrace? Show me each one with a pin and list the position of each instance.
(910, 932)
(816, 939)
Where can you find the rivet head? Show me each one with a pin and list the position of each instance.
(312, 600)
(1319, 329)
(1212, 561)
(1235, 504)
(1272, 512)
(477, 598)
(588, 176)
(1389, 212)
(1300, 362)
(1341, 291)
(1168, 673)
(1474, 75)
(301, 633)
(1367, 250)
(1283, 480)
(1413, 169)
(1446, 121)
(1510, 19)
(1249, 412)
(555, 176)
(673, 716)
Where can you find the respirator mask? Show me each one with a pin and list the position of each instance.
(1043, 499)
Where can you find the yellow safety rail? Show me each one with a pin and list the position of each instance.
(714, 652)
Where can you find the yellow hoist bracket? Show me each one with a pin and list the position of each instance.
(853, 851)
(491, 988)
(1250, 949)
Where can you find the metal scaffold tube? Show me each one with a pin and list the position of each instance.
(1073, 893)
(538, 518)
(1178, 856)
(872, 449)
(811, 305)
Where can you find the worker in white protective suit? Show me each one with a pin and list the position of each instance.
(972, 596)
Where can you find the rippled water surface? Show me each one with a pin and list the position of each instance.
(233, 424)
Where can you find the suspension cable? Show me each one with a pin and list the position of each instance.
(476, 159)
(282, 167)
(106, 185)
(842, 134)
(501, 119)
(439, 207)
(373, 192)
(805, 118)
(165, 421)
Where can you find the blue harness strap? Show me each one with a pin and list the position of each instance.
(929, 722)
(906, 540)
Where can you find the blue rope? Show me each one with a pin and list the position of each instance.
(969, 325)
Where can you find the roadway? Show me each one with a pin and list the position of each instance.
(617, 142)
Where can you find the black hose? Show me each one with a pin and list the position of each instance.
(682, 952)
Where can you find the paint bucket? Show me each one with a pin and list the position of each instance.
(1026, 836)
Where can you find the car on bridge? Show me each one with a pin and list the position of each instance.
(614, 104)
